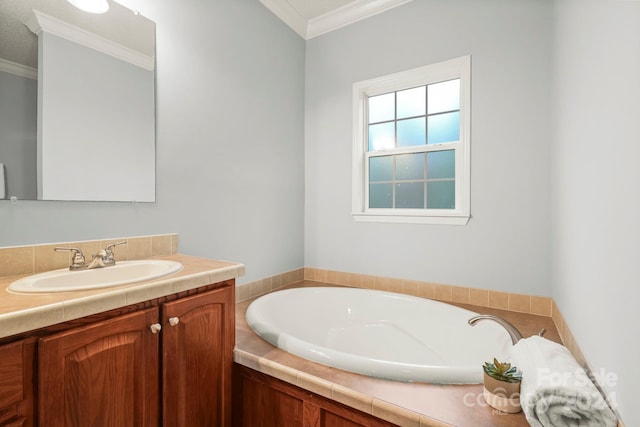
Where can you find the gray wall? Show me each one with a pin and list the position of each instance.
(505, 246)
(595, 188)
(230, 100)
(18, 107)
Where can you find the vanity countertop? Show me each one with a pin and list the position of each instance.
(405, 404)
(25, 312)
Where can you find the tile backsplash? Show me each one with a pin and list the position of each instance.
(19, 260)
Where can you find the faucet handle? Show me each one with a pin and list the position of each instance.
(109, 250)
(77, 258)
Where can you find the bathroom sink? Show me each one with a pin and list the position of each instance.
(124, 272)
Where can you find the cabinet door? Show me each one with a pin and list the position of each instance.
(102, 374)
(16, 384)
(197, 359)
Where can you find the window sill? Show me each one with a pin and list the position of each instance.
(412, 219)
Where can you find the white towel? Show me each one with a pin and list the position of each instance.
(2, 184)
(555, 389)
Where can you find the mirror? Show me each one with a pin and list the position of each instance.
(77, 103)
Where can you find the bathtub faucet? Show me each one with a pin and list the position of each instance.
(514, 333)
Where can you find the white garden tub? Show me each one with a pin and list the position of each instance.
(379, 334)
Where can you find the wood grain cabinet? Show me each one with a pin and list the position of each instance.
(166, 362)
(103, 374)
(264, 401)
(16, 385)
(197, 360)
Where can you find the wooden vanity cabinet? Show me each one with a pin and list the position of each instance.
(16, 383)
(166, 362)
(198, 338)
(264, 401)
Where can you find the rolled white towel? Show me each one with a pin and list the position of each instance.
(555, 389)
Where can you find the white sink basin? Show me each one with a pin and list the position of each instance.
(122, 273)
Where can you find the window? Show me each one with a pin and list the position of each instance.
(411, 145)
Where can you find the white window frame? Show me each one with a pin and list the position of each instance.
(442, 71)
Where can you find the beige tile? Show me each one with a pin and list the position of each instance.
(321, 275)
(410, 287)
(309, 274)
(479, 297)
(246, 359)
(243, 292)
(541, 306)
(331, 277)
(256, 286)
(355, 280)
(368, 282)
(381, 283)
(276, 281)
(460, 294)
(174, 244)
(46, 258)
(395, 414)
(432, 422)
(161, 245)
(342, 278)
(287, 278)
(499, 300)
(16, 260)
(277, 370)
(426, 290)
(94, 304)
(314, 384)
(395, 285)
(442, 292)
(520, 303)
(352, 398)
(138, 247)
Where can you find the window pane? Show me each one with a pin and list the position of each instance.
(380, 196)
(410, 195)
(382, 108)
(441, 195)
(444, 96)
(412, 132)
(380, 168)
(443, 128)
(410, 166)
(411, 102)
(441, 164)
(381, 136)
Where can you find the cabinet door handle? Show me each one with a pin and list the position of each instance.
(155, 328)
(173, 321)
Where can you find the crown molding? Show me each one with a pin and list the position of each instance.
(283, 10)
(345, 15)
(348, 14)
(18, 69)
(39, 21)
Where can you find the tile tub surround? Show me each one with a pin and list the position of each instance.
(406, 404)
(20, 313)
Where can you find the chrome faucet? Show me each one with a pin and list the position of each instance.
(514, 333)
(77, 258)
(103, 258)
(108, 258)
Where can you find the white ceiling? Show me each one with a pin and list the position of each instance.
(311, 18)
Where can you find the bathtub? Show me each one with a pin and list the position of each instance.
(379, 334)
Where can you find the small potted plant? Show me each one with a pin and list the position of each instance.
(502, 386)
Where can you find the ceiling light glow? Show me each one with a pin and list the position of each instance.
(91, 6)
